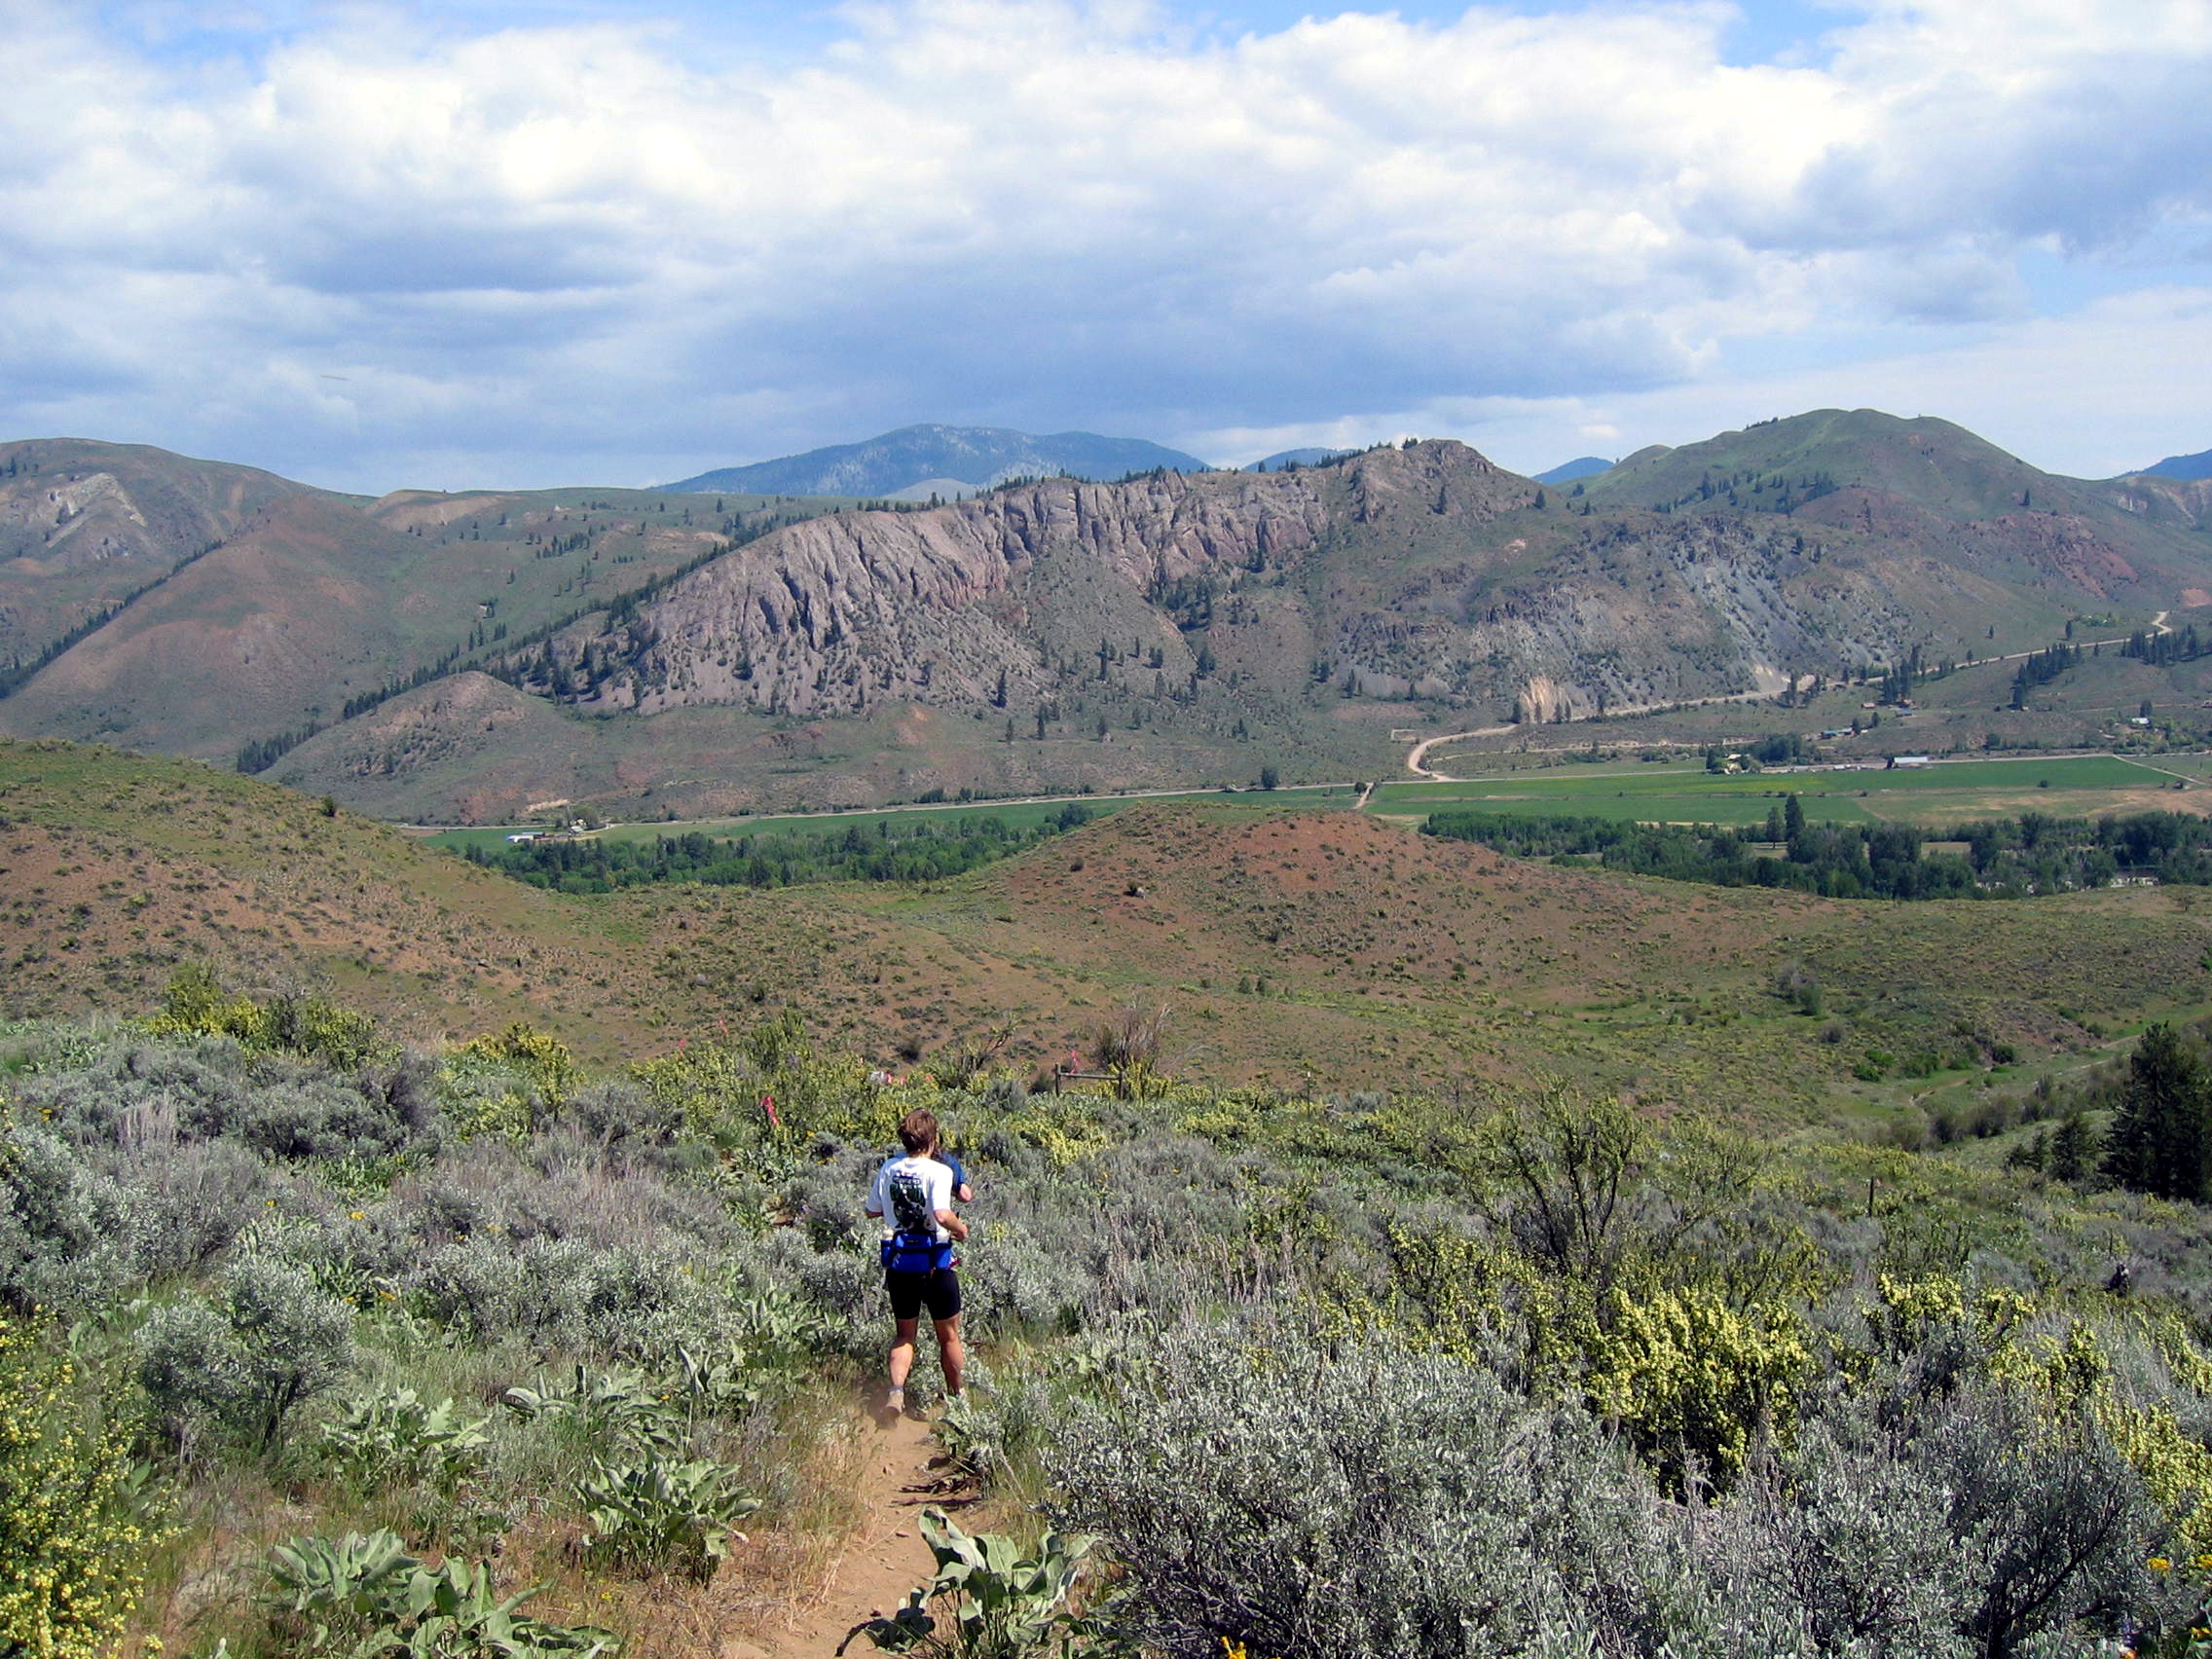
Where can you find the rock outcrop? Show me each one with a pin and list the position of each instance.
(839, 614)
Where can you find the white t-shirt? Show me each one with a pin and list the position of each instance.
(907, 1194)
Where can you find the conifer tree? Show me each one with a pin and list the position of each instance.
(2160, 1134)
(2069, 1153)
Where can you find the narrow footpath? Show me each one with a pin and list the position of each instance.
(882, 1559)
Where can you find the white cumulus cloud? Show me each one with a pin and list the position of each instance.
(594, 250)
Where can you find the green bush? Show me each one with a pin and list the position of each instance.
(618, 1407)
(393, 1436)
(1693, 1380)
(196, 1005)
(988, 1600)
(659, 1512)
(359, 1595)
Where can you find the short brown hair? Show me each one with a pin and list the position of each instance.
(917, 1132)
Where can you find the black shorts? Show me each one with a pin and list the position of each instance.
(939, 1291)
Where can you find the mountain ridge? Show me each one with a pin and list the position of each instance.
(1309, 457)
(434, 655)
(2188, 467)
(1567, 471)
(909, 456)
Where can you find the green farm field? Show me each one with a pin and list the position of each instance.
(1948, 791)
(1945, 792)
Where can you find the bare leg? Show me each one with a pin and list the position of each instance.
(949, 1352)
(902, 1350)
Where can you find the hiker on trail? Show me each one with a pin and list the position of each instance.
(912, 1195)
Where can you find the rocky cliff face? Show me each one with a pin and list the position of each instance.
(829, 616)
(2182, 502)
(839, 614)
(1424, 572)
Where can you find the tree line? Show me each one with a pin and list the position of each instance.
(881, 852)
(2157, 1111)
(2001, 858)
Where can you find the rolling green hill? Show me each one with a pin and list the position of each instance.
(1289, 943)
(1925, 484)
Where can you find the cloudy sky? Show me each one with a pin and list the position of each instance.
(537, 242)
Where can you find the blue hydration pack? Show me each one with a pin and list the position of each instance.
(916, 1253)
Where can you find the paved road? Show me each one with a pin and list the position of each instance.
(678, 825)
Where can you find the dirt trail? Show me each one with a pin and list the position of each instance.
(881, 1560)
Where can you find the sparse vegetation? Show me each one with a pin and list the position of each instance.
(1392, 1338)
(1527, 1367)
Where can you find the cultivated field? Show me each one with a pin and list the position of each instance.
(1684, 792)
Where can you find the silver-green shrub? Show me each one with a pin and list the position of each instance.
(641, 1301)
(64, 1230)
(1360, 1497)
(270, 1341)
(1361, 1501)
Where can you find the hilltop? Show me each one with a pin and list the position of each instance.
(1567, 471)
(1925, 487)
(87, 527)
(2189, 467)
(1288, 458)
(914, 462)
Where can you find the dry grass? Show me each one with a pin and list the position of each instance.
(201, 1580)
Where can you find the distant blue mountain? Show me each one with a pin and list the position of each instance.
(2190, 466)
(974, 456)
(1297, 458)
(1567, 471)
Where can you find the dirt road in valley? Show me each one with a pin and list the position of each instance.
(1419, 753)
